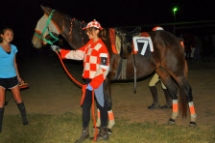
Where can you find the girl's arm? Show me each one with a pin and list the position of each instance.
(17, 71)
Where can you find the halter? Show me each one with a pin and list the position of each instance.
(50, 33)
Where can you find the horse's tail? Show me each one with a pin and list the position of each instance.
(186, 70)
(183, 102)
(183, 90)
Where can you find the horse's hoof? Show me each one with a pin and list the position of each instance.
(193, 124)
(171, 121)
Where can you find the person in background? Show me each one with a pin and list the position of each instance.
(9, 74)
(96, 63)
(152, 86)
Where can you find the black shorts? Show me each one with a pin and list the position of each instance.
(9, 83)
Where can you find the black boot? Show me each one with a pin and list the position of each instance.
(155, 103)
(1, 118)
(22, 110)
(103, 134)
(84, 135)
(168, 100)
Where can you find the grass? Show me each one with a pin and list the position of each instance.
(66, 128)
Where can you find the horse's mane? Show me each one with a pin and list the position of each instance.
(105, 36)
(79, 24)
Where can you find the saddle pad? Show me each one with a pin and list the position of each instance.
(141, 43)
(116, 40)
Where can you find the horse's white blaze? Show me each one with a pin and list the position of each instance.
(41, 25)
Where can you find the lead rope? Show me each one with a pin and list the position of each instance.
(83, 94)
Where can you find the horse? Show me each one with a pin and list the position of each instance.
(133, 55)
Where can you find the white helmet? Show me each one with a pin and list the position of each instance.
(93, 23)
(157, 28)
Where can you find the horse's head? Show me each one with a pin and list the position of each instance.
(126, 46)
(54, 23)
(46, 30)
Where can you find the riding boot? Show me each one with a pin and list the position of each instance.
(22, 110)
(1, 118)
(155, 103)
(168, 100)
(103, 134)
(84, 135)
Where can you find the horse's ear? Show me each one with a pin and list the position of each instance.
(42, 7)
(45, 9)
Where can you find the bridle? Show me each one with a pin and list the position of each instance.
(41, 36)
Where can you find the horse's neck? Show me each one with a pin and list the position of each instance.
(71, 30)
(74, 34)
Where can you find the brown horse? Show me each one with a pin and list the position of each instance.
(158, 51)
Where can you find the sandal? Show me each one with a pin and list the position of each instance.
(23, 85)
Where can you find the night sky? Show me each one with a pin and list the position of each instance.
(22, 15)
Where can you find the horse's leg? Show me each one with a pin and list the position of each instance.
(186, 91)
(108, 99)
(173, 89)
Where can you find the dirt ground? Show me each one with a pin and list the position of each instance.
(52, 92)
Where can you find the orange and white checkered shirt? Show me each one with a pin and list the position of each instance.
(96, 61)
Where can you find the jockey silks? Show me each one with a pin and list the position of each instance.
(95, 58)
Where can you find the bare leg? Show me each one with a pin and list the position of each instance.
(2, 97)
(16, 94)
(2, 100)
(17, 97)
